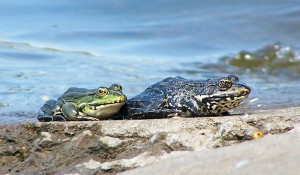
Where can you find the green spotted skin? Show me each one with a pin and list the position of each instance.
(187, 98)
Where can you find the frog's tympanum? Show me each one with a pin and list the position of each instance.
(84, 104)
(187, 98)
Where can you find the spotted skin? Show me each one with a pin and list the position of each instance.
(187, 98)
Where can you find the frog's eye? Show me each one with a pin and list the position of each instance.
(233, 78)
(102, 92)
(119, 88)
(224, 84)
(116, 87)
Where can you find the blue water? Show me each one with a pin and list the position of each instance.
(48, 46)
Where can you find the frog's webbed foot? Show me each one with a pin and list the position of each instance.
(47, 112)
(51, 118)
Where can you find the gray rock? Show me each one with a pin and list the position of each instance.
(274, 154)
(113, 146)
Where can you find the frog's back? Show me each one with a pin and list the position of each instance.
(158, 90)
(79, 90)
(74, 93)
(156, 94)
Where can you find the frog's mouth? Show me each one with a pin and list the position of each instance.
(221, 102)
(119, 101)
(106, 110)
(233, 95)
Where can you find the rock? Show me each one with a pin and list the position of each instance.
(274, 154)
(92, 166)
(113, 146)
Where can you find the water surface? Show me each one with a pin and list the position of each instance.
(47, 47)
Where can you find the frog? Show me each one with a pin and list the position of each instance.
(180, 97)
(80, 104)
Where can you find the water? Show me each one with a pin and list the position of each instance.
(47, 47)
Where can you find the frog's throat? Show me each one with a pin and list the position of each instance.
(105, 111)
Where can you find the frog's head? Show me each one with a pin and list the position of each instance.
(224, 94)
(110, 95)
(106, 102)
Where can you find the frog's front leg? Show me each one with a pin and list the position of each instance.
(50, 112)
(71, 112)
(90, 111)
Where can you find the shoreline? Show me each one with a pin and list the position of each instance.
(21, 117)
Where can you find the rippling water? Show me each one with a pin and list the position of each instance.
(47, 47)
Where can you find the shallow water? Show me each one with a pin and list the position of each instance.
(47, 47)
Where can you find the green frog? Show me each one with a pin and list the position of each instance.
(84, 104)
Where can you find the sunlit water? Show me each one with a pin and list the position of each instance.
(47, 47)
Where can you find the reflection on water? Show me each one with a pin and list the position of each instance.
(271, 61)
(48, 46)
